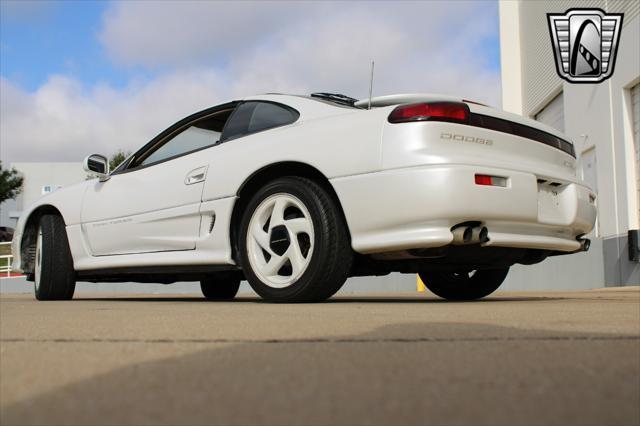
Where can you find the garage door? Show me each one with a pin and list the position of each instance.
(553, 114)
(635, 108)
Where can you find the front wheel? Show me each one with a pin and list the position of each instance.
(294, 244)
(464, 285)
(54, 276)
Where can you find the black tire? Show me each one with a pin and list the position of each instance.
(331, 254)
(464, 285)
(220, 286)
(56, 279)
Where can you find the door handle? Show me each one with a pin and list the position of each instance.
(196, 176)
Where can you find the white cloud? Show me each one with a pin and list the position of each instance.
(64, 121)
(209, 52)
(188, 32)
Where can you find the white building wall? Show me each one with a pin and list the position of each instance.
(7, 211)
(553, 113)
(597, 117)
(635, 128)
(510, 60)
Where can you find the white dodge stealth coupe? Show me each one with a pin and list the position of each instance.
(297, 193)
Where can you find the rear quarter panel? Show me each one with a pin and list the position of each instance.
(338, 145)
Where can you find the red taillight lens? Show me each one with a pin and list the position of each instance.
(433, 111)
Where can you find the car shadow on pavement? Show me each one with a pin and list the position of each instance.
(336, 299)
(434, 299)
(401, 374)
(158, 298)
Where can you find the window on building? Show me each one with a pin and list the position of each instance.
(50, 188)
(553, 113)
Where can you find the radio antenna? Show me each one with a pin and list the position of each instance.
(370, 85)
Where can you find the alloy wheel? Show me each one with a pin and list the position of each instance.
(280, 240)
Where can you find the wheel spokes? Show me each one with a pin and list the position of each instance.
(261, 237)
(277, 214)
(299, 225)
(274, 265)
(295, 256)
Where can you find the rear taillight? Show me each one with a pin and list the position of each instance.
(457, 112)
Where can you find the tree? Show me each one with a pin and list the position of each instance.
(118, 158)
(10, 184)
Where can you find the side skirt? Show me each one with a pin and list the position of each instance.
(156, 274)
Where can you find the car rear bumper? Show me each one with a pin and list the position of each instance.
(417, 207)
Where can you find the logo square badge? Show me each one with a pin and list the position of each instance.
(585, 43)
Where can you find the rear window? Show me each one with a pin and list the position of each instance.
(253, 117)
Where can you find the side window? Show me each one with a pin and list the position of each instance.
(203, 133)
(252, 117)
(238, 124)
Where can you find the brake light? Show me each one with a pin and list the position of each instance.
(433, 111)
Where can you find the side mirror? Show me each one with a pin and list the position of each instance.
(97, 165)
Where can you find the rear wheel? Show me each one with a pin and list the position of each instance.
(220, 287)
(54, 276)
(294, 244)
(464, 285)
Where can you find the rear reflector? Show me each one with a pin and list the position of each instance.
(433, 111)
(491, 180)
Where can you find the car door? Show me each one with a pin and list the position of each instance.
(152, 202)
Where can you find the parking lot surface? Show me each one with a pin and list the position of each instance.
(547, 358)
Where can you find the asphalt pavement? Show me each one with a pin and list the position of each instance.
(535, 358)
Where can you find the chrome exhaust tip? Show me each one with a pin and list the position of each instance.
(462, 235)
(483, 236)
(585, 244)
(467, 236)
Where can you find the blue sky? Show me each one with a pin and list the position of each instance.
(78, 71)
(56, 38)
